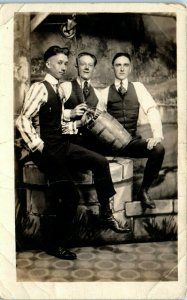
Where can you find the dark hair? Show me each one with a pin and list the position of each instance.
(54, 50)
(89, 54)
(119, 54)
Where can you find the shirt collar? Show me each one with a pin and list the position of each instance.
(81, 82)
(51, 79)
(117, 83)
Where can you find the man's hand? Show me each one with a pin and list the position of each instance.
(78, 111)
(151, 142)
(86, 118)
(65, 128)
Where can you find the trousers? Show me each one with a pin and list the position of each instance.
(137, 148)
(59, 167)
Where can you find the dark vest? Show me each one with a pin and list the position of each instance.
(76, 97)
(125, 109)
(50, 119)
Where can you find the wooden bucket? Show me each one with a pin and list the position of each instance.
(107, 129)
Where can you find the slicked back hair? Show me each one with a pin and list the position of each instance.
(54, 50)
(119, 54)
(87, 54)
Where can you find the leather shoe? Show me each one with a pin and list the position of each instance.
(111, 222)
(146, 200)
(62, 253)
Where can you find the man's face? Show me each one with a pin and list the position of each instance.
(122, 67)
(57, 65)
(86, 67)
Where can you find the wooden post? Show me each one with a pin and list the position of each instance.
(37, 20)
(21, 85)
(21, 58)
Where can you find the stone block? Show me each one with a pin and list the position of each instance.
(116, 171)
(162, 207)
(123, 195)
(175, 206)
(127, 167)
(40, 202)
(32, 175)
(120, 168)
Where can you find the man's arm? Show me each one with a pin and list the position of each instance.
(67, 88)
(36, 96)
(78, 111)
(149, 107)
(103, 99)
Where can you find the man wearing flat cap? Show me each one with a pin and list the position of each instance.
(40, 124)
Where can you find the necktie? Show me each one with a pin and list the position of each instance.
(122, 91)
(60, 92)
(86, 90)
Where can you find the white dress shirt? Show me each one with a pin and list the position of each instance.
(35, 98)
(117, 83)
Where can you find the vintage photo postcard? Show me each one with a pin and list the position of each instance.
(93, 151)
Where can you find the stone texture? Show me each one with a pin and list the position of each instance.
(121, 172)
(121, 218)
(156, 228)
(32, 175)
(40, 202)
(123, 195)
(162, 207)
(175, 206)
(121, 169)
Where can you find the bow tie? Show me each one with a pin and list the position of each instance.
(86, 90)
(122, 91)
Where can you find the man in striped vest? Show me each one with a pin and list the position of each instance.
(40, 124)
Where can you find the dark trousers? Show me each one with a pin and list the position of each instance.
(137, 148)
(59, 167)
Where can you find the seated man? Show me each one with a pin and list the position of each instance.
(40, 125)
(81, 96)
(122, 100)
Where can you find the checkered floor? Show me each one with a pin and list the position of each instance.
(125, 262)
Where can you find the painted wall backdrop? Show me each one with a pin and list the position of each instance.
(151, 41)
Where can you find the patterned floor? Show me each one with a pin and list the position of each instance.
(125, 262)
